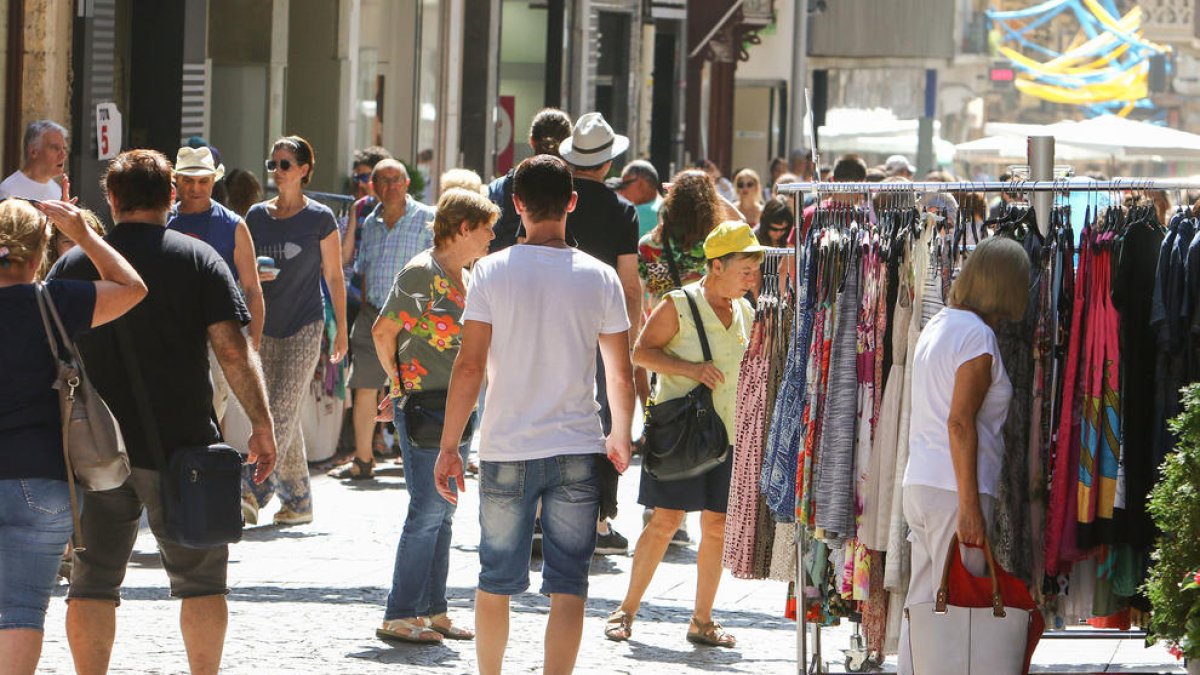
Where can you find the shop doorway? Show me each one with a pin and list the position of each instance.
(758, 116)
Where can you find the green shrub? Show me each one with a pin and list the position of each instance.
(1175, 506)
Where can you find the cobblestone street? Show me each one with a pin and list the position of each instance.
(308, 599)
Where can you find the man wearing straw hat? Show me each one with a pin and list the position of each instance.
(605, 226)
(200, 216)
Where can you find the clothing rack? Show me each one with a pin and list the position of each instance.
(1061, 185)
(812, 664)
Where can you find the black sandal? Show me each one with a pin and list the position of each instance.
(357, 469)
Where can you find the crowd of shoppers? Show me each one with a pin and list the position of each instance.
(212, 308)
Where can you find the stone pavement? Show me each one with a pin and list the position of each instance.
(308, 599)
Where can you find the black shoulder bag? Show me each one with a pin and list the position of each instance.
(685, 437)
(200, 486)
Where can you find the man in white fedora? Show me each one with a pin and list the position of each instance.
(198, 215)
(605, 226)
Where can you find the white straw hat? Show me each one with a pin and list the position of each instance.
(197, 162)
(592, 142)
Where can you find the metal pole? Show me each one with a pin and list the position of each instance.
(926, 159)
(1041, 168)
(799, 80)
(801, 626)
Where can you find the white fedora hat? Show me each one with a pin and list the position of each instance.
(197, 162)
(592, 142)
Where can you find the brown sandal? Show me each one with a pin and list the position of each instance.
(619, 626)
(709, 634)
(448, 629)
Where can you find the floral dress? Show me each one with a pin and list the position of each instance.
(428, 307)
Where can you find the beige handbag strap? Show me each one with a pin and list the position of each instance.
(68, 406)
(76, 545)
(943, 594)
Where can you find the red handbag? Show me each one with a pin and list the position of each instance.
(968, 590)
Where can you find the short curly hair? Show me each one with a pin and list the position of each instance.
(458, 206)
(690, 211)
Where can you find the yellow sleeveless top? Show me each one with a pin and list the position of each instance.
(728, 345)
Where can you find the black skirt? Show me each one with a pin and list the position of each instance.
(706, 492)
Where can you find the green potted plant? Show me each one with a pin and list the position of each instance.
(1173, 585)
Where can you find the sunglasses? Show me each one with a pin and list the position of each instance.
(360, 177)
(745, 184)
(282, 165)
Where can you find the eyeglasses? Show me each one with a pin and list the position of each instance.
(384, 182)
(282, 165)
(744, 184)
(361, 177)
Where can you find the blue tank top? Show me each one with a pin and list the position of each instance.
(216, 227)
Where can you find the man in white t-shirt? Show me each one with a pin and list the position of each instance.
(45, 147)
(535, 314)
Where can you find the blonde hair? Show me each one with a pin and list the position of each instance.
(458, 206)
(749, 173)
(465, 179)
(994, 282)
(23, 232)
(56, 235)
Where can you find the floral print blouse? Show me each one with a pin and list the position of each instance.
(656, 273)
(428, 307)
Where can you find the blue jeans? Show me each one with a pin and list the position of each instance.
(569, 490)
(35, 524)
(423, 556)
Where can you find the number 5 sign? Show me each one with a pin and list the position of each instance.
(108, 131)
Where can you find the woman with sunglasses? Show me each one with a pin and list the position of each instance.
(301, 236)
(749, 194)
(776, 222)
(35, 514)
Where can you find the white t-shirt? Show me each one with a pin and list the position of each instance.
(547, 308)
(950, 339)
(20, 185)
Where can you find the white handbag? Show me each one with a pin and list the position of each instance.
(945, 639)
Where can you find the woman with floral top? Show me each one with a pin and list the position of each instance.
(691, 210)
(417, 336)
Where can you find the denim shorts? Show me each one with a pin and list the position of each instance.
(35, 524)
(568, 488)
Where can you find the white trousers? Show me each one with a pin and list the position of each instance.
(932, 516)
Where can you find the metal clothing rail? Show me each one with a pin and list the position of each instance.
(1061, 185)
(810, 662)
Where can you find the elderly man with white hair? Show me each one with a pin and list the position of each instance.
(45, 148)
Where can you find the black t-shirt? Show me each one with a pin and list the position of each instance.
(604, 224)
(30, 419)
(190, 288)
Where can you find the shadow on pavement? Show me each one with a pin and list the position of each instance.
(703, 658)
(271, 532)
(399, 652)
(148, 560)
(376, 485)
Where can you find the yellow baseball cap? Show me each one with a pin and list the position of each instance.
(731, 236)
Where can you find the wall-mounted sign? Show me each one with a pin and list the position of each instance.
(108, 131)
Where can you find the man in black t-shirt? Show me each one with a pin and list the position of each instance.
(193, 301)
(605, 226)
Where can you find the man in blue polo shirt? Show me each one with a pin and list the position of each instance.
(396, 230)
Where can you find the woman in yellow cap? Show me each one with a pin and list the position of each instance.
(670, 346)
